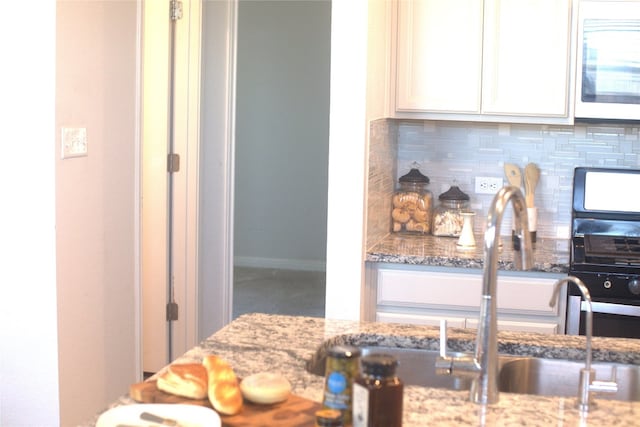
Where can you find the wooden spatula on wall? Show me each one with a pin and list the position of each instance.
(513, 174)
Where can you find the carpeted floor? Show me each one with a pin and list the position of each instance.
(275, 291)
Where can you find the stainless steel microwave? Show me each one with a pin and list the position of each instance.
(608, 71)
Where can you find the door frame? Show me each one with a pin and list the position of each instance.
(217, 153)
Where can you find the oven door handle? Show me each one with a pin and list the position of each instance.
(608, 308)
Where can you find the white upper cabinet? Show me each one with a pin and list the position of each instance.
(439, 55)
(507, 60)
(526, 57)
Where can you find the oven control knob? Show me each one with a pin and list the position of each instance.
(634, 286)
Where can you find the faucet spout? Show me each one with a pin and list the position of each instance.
(523, 258)
(484, 388)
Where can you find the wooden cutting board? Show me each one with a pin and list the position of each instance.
(296, 411)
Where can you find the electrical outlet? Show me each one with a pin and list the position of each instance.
(488, 184)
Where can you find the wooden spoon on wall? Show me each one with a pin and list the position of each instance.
(531, 178)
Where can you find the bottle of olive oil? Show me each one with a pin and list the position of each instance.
(342, 367)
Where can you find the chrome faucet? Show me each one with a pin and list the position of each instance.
(587, 383)
(483, 366)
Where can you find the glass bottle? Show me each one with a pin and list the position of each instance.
(412, 204)
(447, 216)
(377, 393)
(341, 369)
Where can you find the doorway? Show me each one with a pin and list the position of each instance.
(265, 182)
(281, 156)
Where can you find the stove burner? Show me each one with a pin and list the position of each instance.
(612, 249)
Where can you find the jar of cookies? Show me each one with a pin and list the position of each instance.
(447, 216)
(412, 204)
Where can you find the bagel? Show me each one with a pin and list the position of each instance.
(265, 388)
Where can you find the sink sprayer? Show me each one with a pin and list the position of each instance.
(587, 383)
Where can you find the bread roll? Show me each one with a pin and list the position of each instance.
(265, 388)
(224, 392)
(400, 215)
(187, 380)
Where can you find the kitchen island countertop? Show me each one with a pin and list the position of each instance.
(287, 344)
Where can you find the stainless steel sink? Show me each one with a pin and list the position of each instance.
(551, 377)
(416, 367)
(518, 374)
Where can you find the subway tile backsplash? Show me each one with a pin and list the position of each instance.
(451, 152)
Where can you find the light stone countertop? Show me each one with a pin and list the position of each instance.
(550, 255)
(288, 344)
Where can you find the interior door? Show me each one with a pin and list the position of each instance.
(169, 206)
(155, 97)
(186, 244)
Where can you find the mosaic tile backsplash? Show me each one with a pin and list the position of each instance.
(457, 152)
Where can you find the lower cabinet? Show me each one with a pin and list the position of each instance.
(425, 295)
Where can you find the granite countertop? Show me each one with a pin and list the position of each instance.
(287, 344)
(550, 255)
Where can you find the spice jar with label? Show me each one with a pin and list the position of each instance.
(412, 204)
(447, 216)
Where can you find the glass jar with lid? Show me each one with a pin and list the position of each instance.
(412, 204)
(377, 393)
(447, 216)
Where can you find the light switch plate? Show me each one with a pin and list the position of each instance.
(74, 142)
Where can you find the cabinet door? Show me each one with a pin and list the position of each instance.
(439, 55)
(527, 51)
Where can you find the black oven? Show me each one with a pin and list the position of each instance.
(611, 318)
(605, 251)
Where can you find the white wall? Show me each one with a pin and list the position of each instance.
(95, 205)
(28, 337)
(359, 66)
(282, 133)
(68, 331)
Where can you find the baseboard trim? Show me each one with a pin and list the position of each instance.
(283, 264)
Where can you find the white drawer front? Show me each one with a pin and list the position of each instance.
(462, 291)
(524, 294)
(413, 288)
